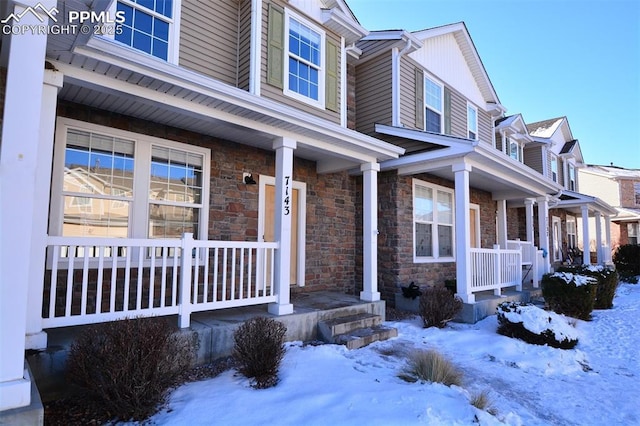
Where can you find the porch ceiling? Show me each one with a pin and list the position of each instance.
(107, 76)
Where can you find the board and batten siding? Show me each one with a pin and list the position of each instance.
(533, 158)
(209, 39)
(374, 94)
(275, 93)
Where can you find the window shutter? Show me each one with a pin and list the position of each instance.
(331, 78)
(419, 99)
(275, 49)
(447, 111)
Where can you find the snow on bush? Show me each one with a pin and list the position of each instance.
(578, 280)
(534, 325)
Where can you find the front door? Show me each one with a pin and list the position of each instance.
(267, 223)
(474, 226)
(556, 238)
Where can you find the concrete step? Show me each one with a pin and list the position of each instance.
(345, 324)
(365, 336)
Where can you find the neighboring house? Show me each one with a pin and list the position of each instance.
(620, 188)
(154, 135)
(449, 205)
(556, 154)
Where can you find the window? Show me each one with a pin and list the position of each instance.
(433, 104)
(632, 230)
(304, 65)
(433, 222)
(514, 149)
(572, 238)
(148, 26)
(636, 190)
(554, 168)
(572, 177)
(472, 122)
(119, 184)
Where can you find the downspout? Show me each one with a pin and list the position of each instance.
(255, 47)
(395, 80)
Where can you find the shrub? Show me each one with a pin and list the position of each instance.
(482, 401)
(534, 325)
(607, 282)
(125, 367)
(438, 306)
(430, 366)
(627, 260)
(570, 294)
(258, 349)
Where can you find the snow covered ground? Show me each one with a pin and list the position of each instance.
(596, 383)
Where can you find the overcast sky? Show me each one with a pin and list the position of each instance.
(546, 59)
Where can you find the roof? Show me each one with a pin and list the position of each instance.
(614, 172)
(568, 147)
(545, 128)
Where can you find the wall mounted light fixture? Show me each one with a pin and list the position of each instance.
(248, 178)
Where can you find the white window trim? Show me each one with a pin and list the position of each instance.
(570, 167)
(551, 161)
(476, 207)
(441, 112)
(469, 129)
(435, 247)
(556, 256)
(173, 51)
(510, 141)
(138, 227)
(572, 219)
(320, 103)
(302, 221)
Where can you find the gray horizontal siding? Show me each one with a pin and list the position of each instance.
(244, 45)
(373, 93)
(533, 158)
(407, 92)
(209, 39)
(485, 129)
(458, 114)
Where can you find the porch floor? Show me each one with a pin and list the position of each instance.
(213, 330)
(486, 302)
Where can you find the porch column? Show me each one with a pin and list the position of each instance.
(36, 338)
(528, 217)
(21, 135)
(543, 230)
(370, 232)
(607, 237)
(463, 233)
(282, 217)
(586, 252)
(502, 223)
(598, 218)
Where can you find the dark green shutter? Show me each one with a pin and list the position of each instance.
(419, 99)
(447, 111)
(331, 77)
(275, 50)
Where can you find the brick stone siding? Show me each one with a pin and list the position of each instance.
(395, 241)
(233, 215)
(628, 193)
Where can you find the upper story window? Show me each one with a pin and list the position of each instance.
(433, 221)
(118, 184)
(572, 177)
(515, 151)
(149, 26)
(304, 65)
(636, 189)
(554, 168)
(433, 103)
(472, 122)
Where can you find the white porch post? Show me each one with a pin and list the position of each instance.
(607, 236)
(21, 135)
(370, 232)
(543, 230)
(586, 252)
(463, 232)
(284, 147)
(598, 218)
(528, 217)
(502, 223)
(36, 338)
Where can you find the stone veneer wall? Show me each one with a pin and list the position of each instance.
(233, 215)
(395, 242)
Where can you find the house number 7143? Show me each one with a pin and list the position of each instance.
(287, 199)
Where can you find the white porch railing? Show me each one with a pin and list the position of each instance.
(605, 253)
(494, 269)
(531, 261)
(90, 280)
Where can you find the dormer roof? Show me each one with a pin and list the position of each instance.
(546, 128)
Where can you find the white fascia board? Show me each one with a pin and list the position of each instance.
(423, 136)
(411, 160)
(351, 30)
(127, 58)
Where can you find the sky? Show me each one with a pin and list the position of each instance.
(525, 384)
(547, 59)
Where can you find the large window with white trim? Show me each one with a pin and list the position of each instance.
(554, 168)
(572, 177)
(633, 232)
(433, 99)
(111, 183)
(472, 122)
(433, 222)
(572, 237)
(304, 64)
(149, 26)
